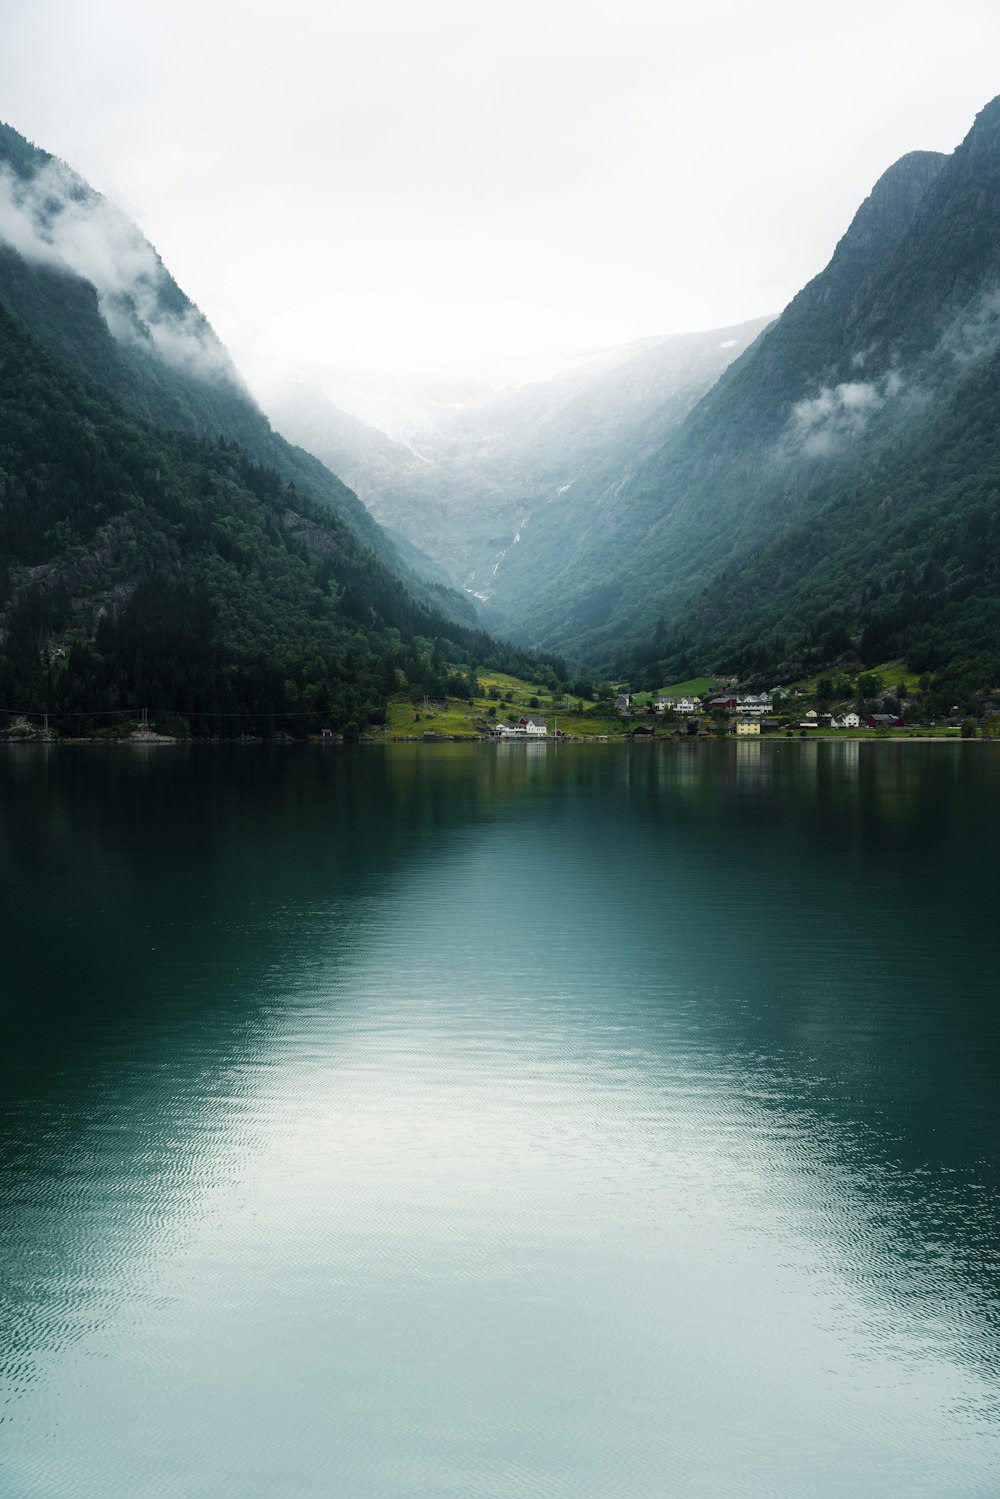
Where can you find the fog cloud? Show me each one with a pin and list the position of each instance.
(828, 422)
(54, 219)
(977, 332)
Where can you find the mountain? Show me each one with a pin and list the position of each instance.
(154, 552)
(837, 488)
(147, 567)
(498, 484)
(83, 277)
(761, 500)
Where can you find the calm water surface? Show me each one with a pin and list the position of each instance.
(448, 1122)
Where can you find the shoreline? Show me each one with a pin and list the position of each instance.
(150, 741)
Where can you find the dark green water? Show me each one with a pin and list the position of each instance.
(500, 1121)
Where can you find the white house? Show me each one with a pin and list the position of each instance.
(756, 704)
(525, 728)
(846, 721)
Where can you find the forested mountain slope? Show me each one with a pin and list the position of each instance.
(902, 554)
(147, 567)
(837, 489)
(901, 559)
(752, 452)
(83, 277)
(633, 524)
(843, 457)
(862, 417)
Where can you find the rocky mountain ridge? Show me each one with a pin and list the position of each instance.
(86, 281)
(492, 486)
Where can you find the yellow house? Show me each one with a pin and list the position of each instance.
(748, 726)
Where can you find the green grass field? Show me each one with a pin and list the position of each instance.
(694, 687)
(468, 720)
(458, 718)
(892, 673)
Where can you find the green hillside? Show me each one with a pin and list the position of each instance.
(904, 561)
(835, 490)
(147, 343)
(149, 568)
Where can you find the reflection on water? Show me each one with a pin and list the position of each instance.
(500, 1120)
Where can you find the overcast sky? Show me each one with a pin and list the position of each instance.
(405, 185)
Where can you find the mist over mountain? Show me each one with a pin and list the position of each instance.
(827, 489)
(754, 500)
(160, 545)
(86, 280)
(794, 412)
(499, 481)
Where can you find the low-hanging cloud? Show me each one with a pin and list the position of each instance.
(827, 423)
(975, 333)
(54, 219)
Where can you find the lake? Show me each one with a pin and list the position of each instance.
(500, 1120)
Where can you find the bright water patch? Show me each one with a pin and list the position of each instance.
(500, 1121)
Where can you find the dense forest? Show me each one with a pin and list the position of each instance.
(901, 561)
(832, 501)
(147, 568)
(835, 493)
(140, 337)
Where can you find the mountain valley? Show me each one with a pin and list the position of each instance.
(830, 491)
(160, 545)
(764, 501)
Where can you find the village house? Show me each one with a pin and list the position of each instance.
(883, 720)
(747, 726)
(757, 704)
(525, 728)
(748, 704)
(846, 721)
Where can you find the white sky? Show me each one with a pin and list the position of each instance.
(403, 185)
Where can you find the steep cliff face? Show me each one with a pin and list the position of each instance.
(501, 486)
(85, 279)
(816, 340)
(863, 365)
(142, 566)
(949, 261)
